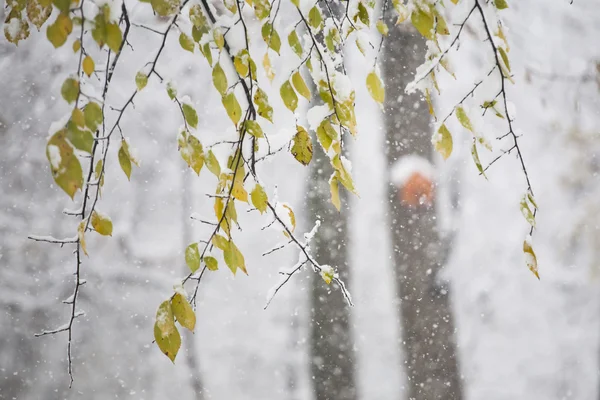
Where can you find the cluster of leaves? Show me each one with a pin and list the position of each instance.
(316, 43)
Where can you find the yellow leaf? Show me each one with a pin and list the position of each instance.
(81, 236)
(288, 95)
(192, 257)
(462, 117)
(530, 258)
(335, 193)
(442, 140)
(88, 65)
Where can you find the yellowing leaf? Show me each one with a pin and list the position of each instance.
(300, 85)
(234, 258)
(124, 159)
(58, 32)
(442, 140)
(192, 257)
(76, 46)
(114, 37)
(81, 236)
(475, 156)
(38, 12)
(88, 65)
(302, 148)
(238, 191)
(190, 115)
(262, 103)
(271, 37)
(101, 224)
(382, 28)
(219, 79)
(267, 66)
(288, 95)
(212, 163)
(93, 115)
(315, 19)
(64, 165)
(211, 263)
(254, 129)
(141, 80)
(462, 117)
(501, 4)
(327, 273)
(70, 90)
(424, 22)
(294, 42)
(191, 151)
(526, 211)
(530, 258)
(165, 332)
(335, 193)
(182, 310)
(186, 42)
(165, 8)
(232, 107)
(259, 198)
(375, 87)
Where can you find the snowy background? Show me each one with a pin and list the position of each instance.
(518, 338)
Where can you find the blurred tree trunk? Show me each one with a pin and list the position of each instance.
(425, 315)
(332, 356)
(191, 353)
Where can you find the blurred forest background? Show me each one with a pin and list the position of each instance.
(445, 306)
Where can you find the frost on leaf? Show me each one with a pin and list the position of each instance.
(101, 224)
(192, 257)
(65, 167)
(182, 310)
(302, 148)
(327, 273)
(442, 141)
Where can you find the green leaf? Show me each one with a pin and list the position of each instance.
(182, 310)
(186, 42)
(424, 22)
(363, 14)
(462, 117)
(101, 224)
(254, 129)
(171, 91)
(442, 141)
(302, 148)
(211, 263)
(294, 42)
(504, 58)
(288, 95)
(262, 103)
(271, 37)
(192, 257)
(375, 87)
(501, 4)
(261, 8)
(213, 164)
(300, 85)
(190, 115)
(70, 90)
(259, 198)
(93, 115)
(315, 19)
(232, 107)
(165, 332)
(64, 165)
(141, 80)
(219, 79)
